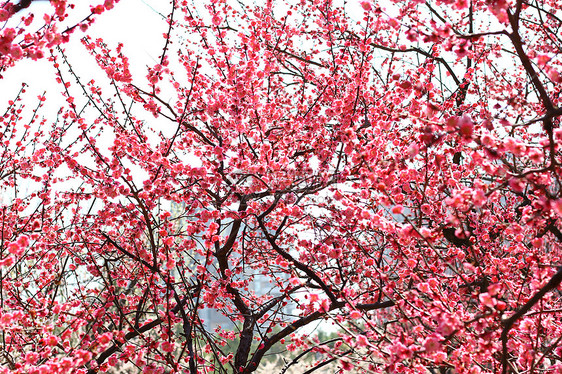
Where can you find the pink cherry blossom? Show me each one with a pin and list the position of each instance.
(277, 168)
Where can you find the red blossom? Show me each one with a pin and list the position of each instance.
(285, 167)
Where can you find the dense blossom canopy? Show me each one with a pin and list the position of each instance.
(388, 168)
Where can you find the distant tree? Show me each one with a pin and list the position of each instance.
(392, 168)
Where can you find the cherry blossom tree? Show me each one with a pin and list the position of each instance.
(391, 168)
